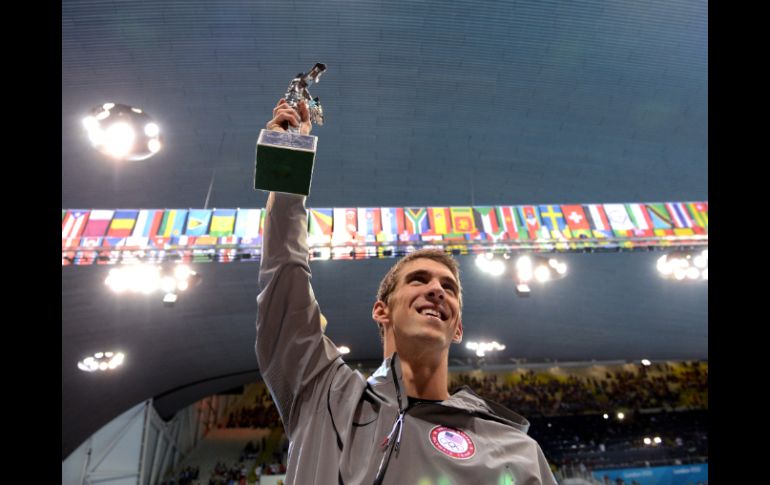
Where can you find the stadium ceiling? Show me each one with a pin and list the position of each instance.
(427, 104)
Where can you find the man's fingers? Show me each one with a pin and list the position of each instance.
(284, 116)
(303, 111)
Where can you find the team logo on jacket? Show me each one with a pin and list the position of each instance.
(452, 442)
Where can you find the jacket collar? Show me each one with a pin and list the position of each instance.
(389, 389)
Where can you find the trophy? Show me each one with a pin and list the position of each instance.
(284, 161)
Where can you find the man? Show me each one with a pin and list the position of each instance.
(400, 426)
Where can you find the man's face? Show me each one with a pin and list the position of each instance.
(424, 307)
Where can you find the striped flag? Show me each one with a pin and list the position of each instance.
(416, 220)
(172, 223)
(369, 223)
(97, 224)
(344, 228)
(147, 223)
(679, 215)
(198, 222)
(462, 219)
(113, 242)
(489, 221)
(201, 241)
(247, 223)
(182, 241)
(700, 213)
(73, 223)
(392, 223)
(439, 220)
(643, 226)
(222, 222)
(599, 222)
(122, 223)
(528, 214)
(320, 222)
(659, 216)
(514, 229)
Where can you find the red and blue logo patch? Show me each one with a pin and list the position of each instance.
(452, 442)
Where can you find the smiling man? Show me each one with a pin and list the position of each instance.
(401, 425)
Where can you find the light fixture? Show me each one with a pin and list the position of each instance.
(539, 268)
(523, 270)
(621, 416)
(102, 361)
(646, 362)
(123, 132)
(482, 348)
(657, 440)
(606, 416)
(684, 265)
(344, 349)
(147, 279)
(647, 441)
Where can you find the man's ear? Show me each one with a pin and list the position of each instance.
(380, 313)
(458, 338)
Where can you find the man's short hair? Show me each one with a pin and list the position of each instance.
(389, 282)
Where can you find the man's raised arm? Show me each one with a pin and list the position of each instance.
(291, 349)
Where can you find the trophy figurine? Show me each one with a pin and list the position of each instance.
(284, 161)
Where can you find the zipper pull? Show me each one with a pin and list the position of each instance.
(398, 424)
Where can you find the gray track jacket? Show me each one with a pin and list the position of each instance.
(344, 428)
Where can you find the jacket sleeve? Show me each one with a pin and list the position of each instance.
(292, 352)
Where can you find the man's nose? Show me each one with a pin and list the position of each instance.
(435, 290)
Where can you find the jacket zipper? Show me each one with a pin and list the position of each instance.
(397, 426)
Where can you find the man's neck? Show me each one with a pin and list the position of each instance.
(425, 379)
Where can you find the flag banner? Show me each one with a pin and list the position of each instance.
(462, 219)
(222, 222)
(247, 223)
(73, 223)
(115, 236)
(122, 223)
(173, 223)
(198, 222)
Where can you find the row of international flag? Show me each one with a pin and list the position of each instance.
(228, 228)
(527, 222)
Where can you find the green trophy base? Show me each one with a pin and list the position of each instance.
(284, 162)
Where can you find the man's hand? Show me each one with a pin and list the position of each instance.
(284, 115)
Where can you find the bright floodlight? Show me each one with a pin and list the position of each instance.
(344, 349)
(123, 132)
(119, 139)
(647, 441)
(482, 348)
(101, 361)
(151, 129)
(621, 416)
(153, 145)
(645, 362)
(657, 440)
(542, 274)
(606, 416)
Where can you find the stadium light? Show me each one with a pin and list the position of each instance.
(344, 349)
(102, 361)
(646, 362)
(147, 279)
(523, 270)
(621, 416)
(123, 132)
(684, 265)
(482, 348)
(606, 416)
